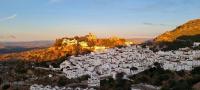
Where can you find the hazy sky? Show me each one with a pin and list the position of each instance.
(27, 20)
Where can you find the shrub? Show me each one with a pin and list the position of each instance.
(62, 81)
(181, 73)
(196, 70)
(1, 81)
(181, 85)
(6, 87)
(21, 67)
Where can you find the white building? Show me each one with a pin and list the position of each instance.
(94, 81)
(69, 42)
(196, 44)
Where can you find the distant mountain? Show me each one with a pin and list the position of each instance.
(139, 40)
(190, 28)
(28, 44)
(15, 47)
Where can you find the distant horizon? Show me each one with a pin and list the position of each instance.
(33, 20)
(71, 37)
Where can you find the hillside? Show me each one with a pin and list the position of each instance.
(67, 46)
(190, 28)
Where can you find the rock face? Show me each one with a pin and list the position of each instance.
(190, 28)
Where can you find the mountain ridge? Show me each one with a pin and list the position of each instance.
(190, 28)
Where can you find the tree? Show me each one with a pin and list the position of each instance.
(157, 65)
(58, 42)
(21, 67)
(133, 69)
(181, 73)
(77, 46)
(1, 81)
(196, 70)
(62, 81)
(6, 87)
(181, 85)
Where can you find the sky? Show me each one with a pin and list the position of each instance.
(30, 20)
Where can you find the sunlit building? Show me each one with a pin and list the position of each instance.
(99, 48)
(83, 44)
(128, 43)
(69, 42)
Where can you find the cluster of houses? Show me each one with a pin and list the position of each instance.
(41, 87)
(129, 60)
(179, 59)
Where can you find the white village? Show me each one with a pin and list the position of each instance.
(129, 60)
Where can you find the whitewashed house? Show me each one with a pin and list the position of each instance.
(196, 44)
